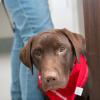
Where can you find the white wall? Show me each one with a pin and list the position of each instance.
(67, 13)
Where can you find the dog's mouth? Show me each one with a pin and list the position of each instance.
(55, 87)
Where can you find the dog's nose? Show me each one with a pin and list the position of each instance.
(51, 78)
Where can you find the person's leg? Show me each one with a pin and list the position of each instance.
(15, 68)
(30, 17)
(24, 85)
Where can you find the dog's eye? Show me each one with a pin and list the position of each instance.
(61, 48)
(38, 52)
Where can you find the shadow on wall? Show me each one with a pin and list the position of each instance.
(5, 28)
(5, 45)
(5, 32)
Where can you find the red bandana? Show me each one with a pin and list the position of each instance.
(77, 80)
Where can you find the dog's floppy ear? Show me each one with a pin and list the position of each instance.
(77, 41)
(25, 54)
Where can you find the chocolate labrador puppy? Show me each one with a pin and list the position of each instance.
(53, 54)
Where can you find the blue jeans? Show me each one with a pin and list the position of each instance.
(29, 18)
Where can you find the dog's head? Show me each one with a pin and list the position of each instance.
(53, 54)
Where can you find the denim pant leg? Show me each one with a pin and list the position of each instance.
(15, 68)
(24, 84)
(29, 18)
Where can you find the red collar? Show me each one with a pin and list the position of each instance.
(77, 81)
